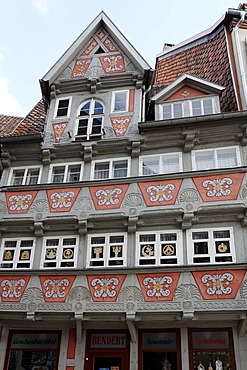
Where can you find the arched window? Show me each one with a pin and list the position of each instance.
(90, 120)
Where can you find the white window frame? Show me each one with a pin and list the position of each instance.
(16, 261)
(212, 255)
(160, 156)
(58, 260)
(114, 93)
(111, 167)
(66, 171)
(26, 170)
(90, 117)
(160, 254)
(56, 107)
(187, 106)
(215, 153)
(107, 259)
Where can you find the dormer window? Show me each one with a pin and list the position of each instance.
(90, 120)
(174, 110)
(201, 107)
(62, 108)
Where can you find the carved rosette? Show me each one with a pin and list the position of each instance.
(105, 288)
(158, 287)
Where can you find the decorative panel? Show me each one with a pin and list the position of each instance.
(160, 193)
(186, 92)
(101, 34)
(13, 287)
(90, 47)
(20, 202)
(58, 129)
(120, 124)
(105, 288)
(109, 45)
(62, 200)
(219, 187)
(80, 67)
(113, 63)
(108, 197)
(56, 288)
(158, 287)
(220, 284)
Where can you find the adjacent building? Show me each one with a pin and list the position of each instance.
(123, 208)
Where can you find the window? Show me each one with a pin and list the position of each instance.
(90, 120)
(25, 176)
(120, 101)
(210, 246)
(187, 108)
(112, 169)
(66, 173)
(17, 253)
(163, 248)
(207, 159)
(62, 108)
(107, 250)
(59, 252)
(163, 163)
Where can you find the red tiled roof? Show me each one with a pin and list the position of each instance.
(207, 59)
(33, 123)
(8, 124)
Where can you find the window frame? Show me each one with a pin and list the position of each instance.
(215, 150)
(114, 94)
(66, 172)
(212, 254)
(68, 108)
(158, 257)
(160, 156)
(25, 176)
(89, 135)
(106, 259)
(111, 167)
(59, 253)
(16, 256)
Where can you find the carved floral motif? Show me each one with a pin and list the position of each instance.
(80, 67)
(120, 125)
(58, 129)
(160, 192)
(113, 63)
(105, 288)
(20, 202)
(90, 47)
(56, 288)
(62, 200)
(108, 196)
(12, 287)
(109, 45)
(158, 286)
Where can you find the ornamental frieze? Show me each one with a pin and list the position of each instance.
(219, 187)
(160, 193)
(105, 288)
(62, 200)
(56, 288)
(19, 202)
(158, 287)
(12, 287)
(108, 197)
(220, 284)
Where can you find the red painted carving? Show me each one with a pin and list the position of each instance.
(90, 47)
(109, 45)
(58, 129)
(62, 200)
(159, 193)
(101, 34)
(219, 187)
(105, 288)
(158, 287)
(19, 202)
(219, 284)
(56, 288)
(120, 124)
(113, 63)
(108, 197)
(13, 287)
(80, 67)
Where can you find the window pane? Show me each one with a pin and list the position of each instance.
(177, 110)
(170, 163)
(208, 106)
(18, 176)
(32, 176)
(120, 101)
(227, 158)
(101, 171)
(96, 127)
(82, 127)
(120, 168)
(58, 174)
(204, 160)
(147, 238)
(167, 111)
(150, 166)
(85, 109)
(62, 109)
(196, 108)
(98, 108)
(74, 173)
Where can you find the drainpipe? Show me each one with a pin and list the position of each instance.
(239, 54)
(144, 102)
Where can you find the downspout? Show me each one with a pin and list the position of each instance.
(144, 102)
(239, 54)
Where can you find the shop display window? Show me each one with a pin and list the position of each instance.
(211, 350)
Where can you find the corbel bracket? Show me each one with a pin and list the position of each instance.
(243, 135)
(6, 159)
(38, 228)
(46, 157)
(87, 153)
(135, 149)
(132, 224)
(94, 85)
(187, 220)
(190, 139)
(82, 227)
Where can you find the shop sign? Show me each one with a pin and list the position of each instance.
(159, 341)
(108, 340)
(34, 341)
(210, 340)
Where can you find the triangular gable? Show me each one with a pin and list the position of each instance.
(186, 87)
(91, 34)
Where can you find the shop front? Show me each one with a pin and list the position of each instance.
(159, 350)
(32, 350)
(107, 351)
